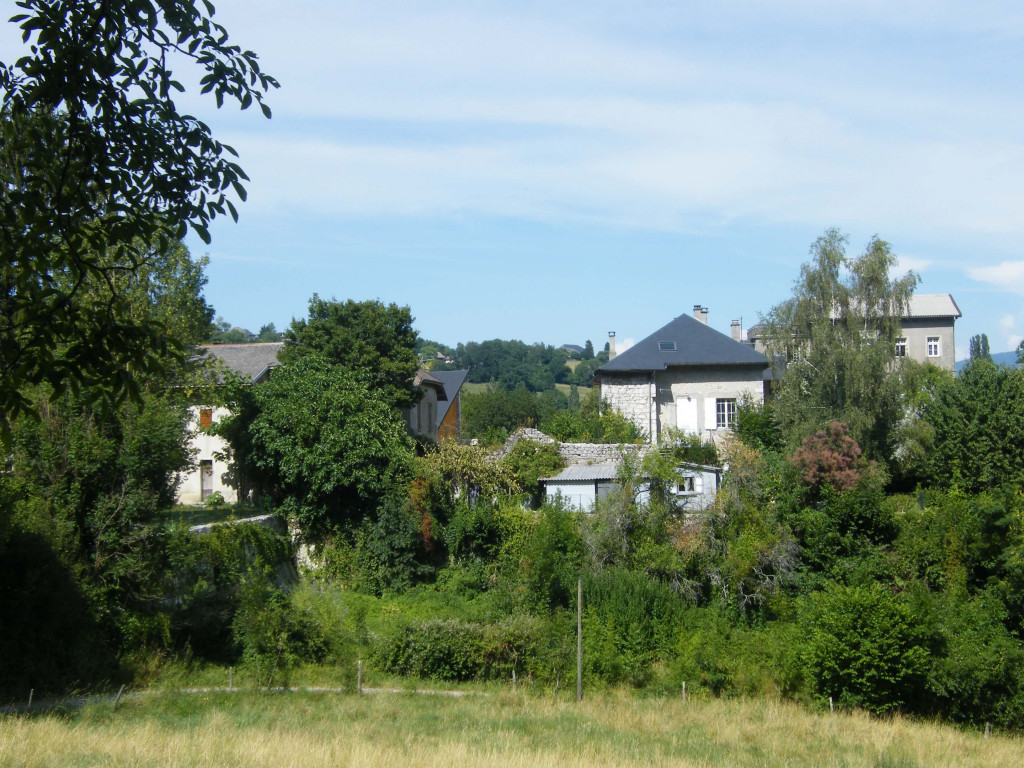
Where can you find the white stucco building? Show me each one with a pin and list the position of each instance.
(211, 474)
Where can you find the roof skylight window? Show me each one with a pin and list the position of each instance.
(666, 346)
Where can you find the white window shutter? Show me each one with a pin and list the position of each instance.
(686, 415)
(710, 419)
(698, 483)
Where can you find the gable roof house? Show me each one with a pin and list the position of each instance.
(686, 376)
(253, 362)
(438, 413)
(449, 411)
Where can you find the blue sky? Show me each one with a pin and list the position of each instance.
(554, 171)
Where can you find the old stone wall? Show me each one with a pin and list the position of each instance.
(630, 395)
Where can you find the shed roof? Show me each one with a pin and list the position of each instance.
(933, 305)
(586, 472)
(684, 341)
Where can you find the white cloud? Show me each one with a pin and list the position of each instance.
(906, 264)
(1008, 328)
(1007, 276)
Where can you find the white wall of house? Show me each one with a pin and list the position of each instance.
(584, 494)
(421, 418)
(207, 466)
(696, 488)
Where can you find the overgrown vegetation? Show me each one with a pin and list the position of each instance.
(812, 577)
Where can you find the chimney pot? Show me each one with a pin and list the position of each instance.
(700, 313)
(611, 345)
(737, 331)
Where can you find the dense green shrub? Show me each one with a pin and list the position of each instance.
(203, 579)
(716, 654)
(631, 621)
(864, 647)
(977, 674)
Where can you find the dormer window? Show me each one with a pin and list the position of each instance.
(666, 346)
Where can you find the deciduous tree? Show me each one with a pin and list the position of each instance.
(97, 165)
(368, 338)
(836, 336)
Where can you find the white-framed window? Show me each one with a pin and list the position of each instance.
(934, 346)
(725, 412)
(901, 347)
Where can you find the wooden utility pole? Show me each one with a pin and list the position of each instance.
(579, 640)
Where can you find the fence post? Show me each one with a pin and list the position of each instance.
(831, 706)
(988, 729)
(359, 677)
(31, 691)
(684, 690)
(231, 678)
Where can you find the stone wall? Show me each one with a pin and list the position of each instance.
(630, 395)
(575, 453)
(597, 453)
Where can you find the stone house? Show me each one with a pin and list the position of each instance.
(685, 376)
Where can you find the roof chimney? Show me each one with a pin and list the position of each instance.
(611, 345)
(737, 331)
(701, 313)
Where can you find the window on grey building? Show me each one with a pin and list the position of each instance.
(934, 346)
(901, 347)
(725, 412)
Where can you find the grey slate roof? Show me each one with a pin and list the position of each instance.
(452, 382)
(695, 344)
(250, 360)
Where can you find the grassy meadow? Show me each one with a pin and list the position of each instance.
(499, 729)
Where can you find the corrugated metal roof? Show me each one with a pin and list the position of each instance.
(695, 344)
(933, 305)
(609, 471)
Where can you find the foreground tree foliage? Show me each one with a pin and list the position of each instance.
(100, 169)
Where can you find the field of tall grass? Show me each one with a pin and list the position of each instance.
(496, 729)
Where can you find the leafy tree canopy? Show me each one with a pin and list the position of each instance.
(99, 169)
(836, 335)
(321, 440)
(371, 339)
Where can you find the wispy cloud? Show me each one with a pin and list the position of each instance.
(1006, 276)
(549, 115)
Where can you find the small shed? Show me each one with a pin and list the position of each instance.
(580, 486)
(696, 486)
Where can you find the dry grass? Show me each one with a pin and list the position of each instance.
(411, 731)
